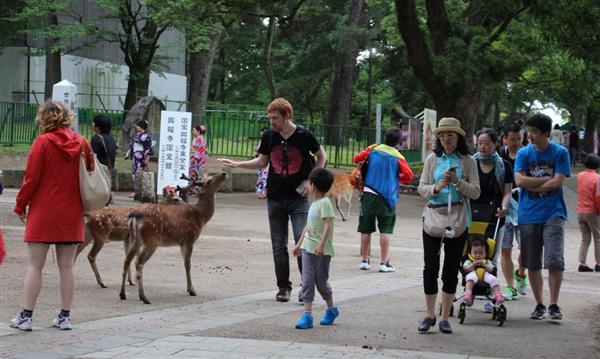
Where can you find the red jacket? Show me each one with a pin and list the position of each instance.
(50, 189)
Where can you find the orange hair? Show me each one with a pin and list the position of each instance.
(281, 105)
(52, 115)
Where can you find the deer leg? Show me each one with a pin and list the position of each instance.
(186, 253)
(96, 247)
(82, 246)
(349, 199)
(133, 248)
(126, 248)
(147, 250)
(337, 204)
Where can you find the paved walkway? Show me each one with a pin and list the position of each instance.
(169, 332)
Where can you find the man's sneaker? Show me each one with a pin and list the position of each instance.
(22, 323)
(539, 312)
(330, 315)
(283, 295)
(365, 265)
(386, 267)
(488, 307)
(62, 323)
(554, 312)
(305, 322)
(510, 293)
(520, 282)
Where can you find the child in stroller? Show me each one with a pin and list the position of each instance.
(479, 277)
(478, 268)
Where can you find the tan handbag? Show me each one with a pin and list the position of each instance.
(94, 186)
(437, 224)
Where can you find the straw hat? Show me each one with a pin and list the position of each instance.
(449, 124)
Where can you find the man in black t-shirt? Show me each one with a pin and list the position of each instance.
(516, 279)
(288, 149)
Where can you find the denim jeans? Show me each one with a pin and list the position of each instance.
(280, 212)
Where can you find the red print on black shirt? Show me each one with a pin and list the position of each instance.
(286, 160)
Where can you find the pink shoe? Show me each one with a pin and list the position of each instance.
(468, 298)
(499, 298)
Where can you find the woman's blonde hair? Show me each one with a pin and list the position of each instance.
(52, 115)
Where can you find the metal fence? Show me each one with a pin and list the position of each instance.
(232, 132)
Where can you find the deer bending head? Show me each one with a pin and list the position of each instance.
(154, 225)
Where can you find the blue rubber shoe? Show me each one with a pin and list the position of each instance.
(305, 322)
(329, 316)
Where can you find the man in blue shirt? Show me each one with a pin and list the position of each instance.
(540, 169)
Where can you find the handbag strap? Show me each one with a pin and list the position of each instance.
(110, 166)
(86, 152)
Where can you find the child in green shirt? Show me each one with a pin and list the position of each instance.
(316, 248)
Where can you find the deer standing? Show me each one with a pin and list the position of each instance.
(110, 224)
(341, 190)
(152, 225)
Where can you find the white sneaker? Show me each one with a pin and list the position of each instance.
(386, 267)
(22, 323)
(63, 323)
(364, 265)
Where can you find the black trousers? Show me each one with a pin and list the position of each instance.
(453, 250)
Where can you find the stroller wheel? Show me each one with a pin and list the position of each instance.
(501, 315)
(462, 312)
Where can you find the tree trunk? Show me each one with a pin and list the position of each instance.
(496, 114)
(267, 63)
(139, 46)
(137, 84)
(200, 69)
(466, 109)
(342, 79)
(53, 64)
(590, 128)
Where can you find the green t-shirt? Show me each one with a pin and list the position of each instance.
(318, 211)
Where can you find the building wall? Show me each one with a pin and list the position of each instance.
(100, 84)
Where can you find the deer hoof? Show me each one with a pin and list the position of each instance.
(122, 296)
(101, 285)
(343, 219)
(192, 293)
(146, 301)
(131, 284)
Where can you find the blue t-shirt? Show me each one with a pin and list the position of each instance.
(539, 207)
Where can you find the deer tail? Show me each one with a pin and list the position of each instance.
(134, 222)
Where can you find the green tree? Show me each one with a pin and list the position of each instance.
(453, 50)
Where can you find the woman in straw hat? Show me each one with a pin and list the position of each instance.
(449, 173)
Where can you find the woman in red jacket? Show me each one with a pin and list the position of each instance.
(50, 205)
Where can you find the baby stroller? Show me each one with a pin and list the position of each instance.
(481, 289)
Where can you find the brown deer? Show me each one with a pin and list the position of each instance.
(110, 224)
(341, 189)
(152, 225)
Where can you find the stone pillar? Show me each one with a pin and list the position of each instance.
(145, 187)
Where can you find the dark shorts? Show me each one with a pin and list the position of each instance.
(545, 239)
(374, 209)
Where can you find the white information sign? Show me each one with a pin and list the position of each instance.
(66, 92)
(174, 149)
